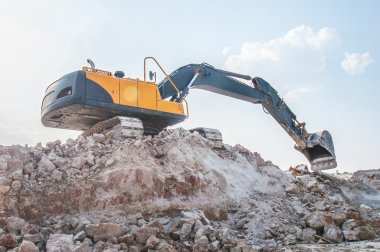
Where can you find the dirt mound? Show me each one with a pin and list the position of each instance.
(170, 192)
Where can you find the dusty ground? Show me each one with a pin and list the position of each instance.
(174, 192)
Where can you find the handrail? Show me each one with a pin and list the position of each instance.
(167, 76)
(170, 80)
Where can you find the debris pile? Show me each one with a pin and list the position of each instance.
(171, 192)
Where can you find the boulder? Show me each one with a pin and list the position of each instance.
(142, 234)
(152, 242)
(5, 181)
(339, 218)
(292, 189)
(315, 221)
(334, 235)
(365, 233)
(8, 241)
(80, 236)
(27, 246)
(34, 237)
(100, 138)
(103, 231)
(79, 162)
(60, 242)
(307, 235)
(45, 165)
(15, 224)
(57, 175)
(127, 239)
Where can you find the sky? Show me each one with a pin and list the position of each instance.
(321, 56)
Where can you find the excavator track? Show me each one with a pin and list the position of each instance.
(213, 135)
(130, 127)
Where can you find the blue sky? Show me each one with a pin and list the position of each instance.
(321, 56)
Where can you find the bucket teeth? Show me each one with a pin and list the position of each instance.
(323, 164)
(319, 150)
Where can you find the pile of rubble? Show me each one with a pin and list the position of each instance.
(171, 192)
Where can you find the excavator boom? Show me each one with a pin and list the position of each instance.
(317, 147)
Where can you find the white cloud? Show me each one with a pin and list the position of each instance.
(356, 63)
(226, 50)
(300, 38)
(293, 95)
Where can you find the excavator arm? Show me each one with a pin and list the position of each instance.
(317, 147)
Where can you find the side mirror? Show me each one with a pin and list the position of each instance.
(151, 75)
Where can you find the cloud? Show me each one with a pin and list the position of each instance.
(298, 39)
(226, 50)
(356, 63)
(293, 95)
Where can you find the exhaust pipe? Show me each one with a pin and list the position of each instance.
(319, 150)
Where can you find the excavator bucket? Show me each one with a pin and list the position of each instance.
(319, 151)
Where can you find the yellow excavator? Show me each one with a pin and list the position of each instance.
(92, 100)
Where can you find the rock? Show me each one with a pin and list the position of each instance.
(100, 138)
(79, 162)
(127, 239)
(8, 241)
(104, 231)
(57, 175)
(152, 242)
(28, 168)
(16, 185)
(84, 247)
(15, 165)
(80, 236)
(315, 221)
(251, 249)
(365, 233)
(45, 165)
(143, 233)
(292, 189)
(27, 246)
(350, 235)
(224, 235)
(215, 246)
(88, 241)
(133, 249)
(185, 231)
(4, 189)
(90, 159)
(339, 218)
(307, 235)
(349, 225)
(290, 239)
(110, 162)
(35, 238)
(5, 181)
(312, 184)
(15, 224)
(240, 224)
(334, 235)
(3, 164)
(201, 244)
(59, 242)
